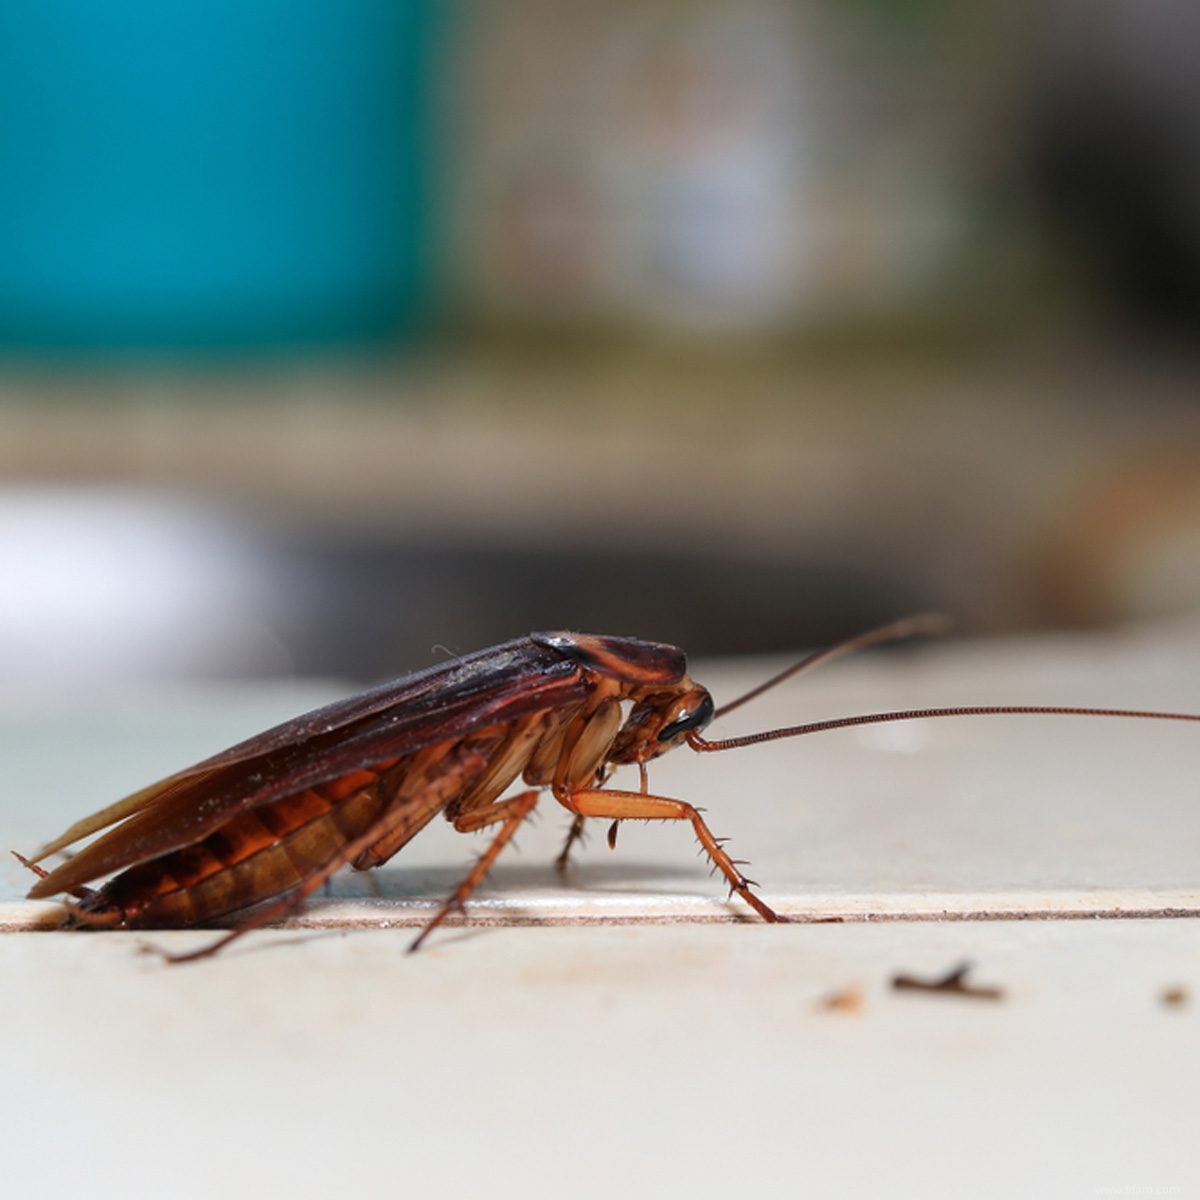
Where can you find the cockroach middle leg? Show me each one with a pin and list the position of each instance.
(574, 834)
(624, 806)
(512, 812)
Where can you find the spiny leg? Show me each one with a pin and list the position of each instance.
(643, 790)
(574, 834)
(624, 806)
(512, 812)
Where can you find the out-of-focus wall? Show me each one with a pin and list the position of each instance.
(228, 177)
(333, 333)
(704, 166)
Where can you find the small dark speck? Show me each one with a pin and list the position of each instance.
(954, 983)
(1173, 997)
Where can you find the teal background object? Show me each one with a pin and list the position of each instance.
(212, 174)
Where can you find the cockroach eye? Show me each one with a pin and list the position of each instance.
(693, 720)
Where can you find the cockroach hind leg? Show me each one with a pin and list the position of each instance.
(574, 834)
(263, 915)
(149, 949)
(175, 959)
(512, 813)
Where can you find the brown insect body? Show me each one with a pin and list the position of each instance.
(281, 811)
(352, 783)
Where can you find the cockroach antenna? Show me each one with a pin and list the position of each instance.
(922, 624)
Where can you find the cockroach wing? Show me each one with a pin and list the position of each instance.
(419, 692)
(446, 702)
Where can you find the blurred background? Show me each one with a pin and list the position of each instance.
(335, 337)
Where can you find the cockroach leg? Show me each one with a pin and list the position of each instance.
(264, 916)
(623, 806)
(512, 812)
(574, 834)
(391, 820)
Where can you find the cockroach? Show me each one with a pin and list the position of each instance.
(268, 821)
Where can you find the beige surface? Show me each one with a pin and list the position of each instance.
(675, 1058)
(606, 1062)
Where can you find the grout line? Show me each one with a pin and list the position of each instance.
(518, 919)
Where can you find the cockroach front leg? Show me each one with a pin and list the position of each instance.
(512, 812)
(625, 806)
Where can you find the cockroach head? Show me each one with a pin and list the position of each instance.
(660, 721)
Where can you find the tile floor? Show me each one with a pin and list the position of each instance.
(627, 1033)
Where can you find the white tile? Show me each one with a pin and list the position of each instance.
(671, 1058)
(646, 1062)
